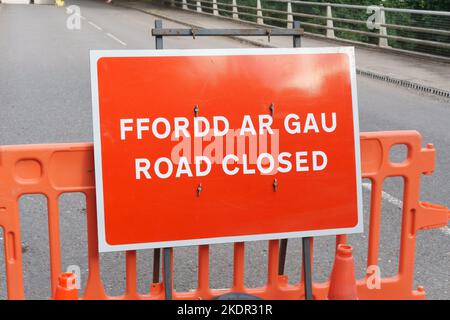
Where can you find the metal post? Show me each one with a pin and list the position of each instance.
(330, 32)
(158, 39)
(215, 8)
(235, 10)
(184, 4)
(297, 39)
(307, 276)
(290, 17)
(199, 6)
(167, 259)
(259, 19)
(382, 42)
(156, 261)
(167, 264)
(157, 252)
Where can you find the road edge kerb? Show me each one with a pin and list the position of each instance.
(367, 73)
(404, 83)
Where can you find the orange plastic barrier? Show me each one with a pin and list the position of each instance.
(58, 168)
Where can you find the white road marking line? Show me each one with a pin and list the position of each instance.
(94, 25)
(399, 203)
(82, 18)
(386, 196)
(445, 230)
(115, 38)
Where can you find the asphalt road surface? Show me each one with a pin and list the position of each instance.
(45, 97)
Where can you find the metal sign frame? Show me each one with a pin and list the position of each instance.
(159, 32)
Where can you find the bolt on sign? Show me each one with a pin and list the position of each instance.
(212, 146)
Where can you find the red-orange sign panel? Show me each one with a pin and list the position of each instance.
(211, 146)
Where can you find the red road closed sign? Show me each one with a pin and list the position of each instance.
(211, 146)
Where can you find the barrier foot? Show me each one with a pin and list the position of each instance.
(67, 287)
(343, 280)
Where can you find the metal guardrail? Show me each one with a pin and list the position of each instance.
(407, 29)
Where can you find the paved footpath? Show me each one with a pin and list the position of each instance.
(397, 66)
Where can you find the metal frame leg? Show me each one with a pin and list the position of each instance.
(158, 39)
(156, 264)
(307, 276)
(157, 252)
(297, 39)
(167, 264)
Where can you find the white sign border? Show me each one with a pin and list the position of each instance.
(95, 55)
